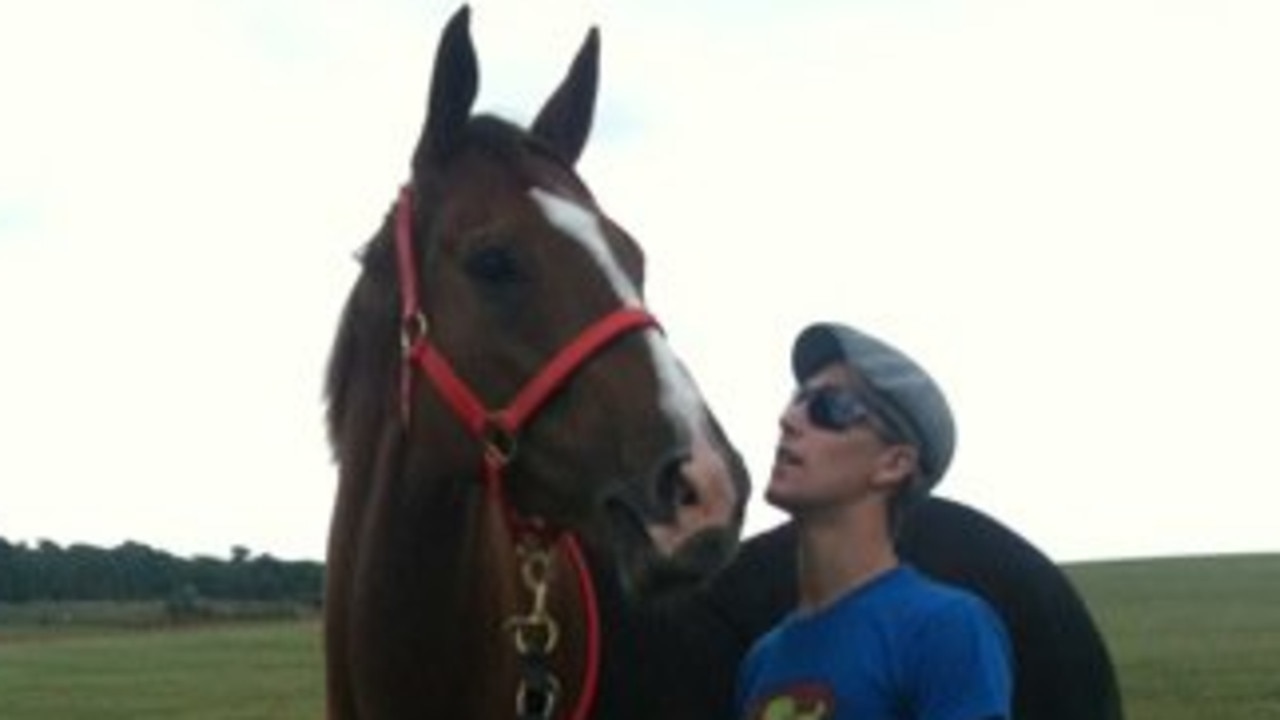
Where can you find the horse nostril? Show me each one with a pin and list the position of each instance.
(676, 490)
(686, 495)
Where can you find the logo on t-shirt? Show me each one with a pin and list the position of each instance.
(809, 701)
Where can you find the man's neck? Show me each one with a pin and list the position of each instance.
(841, 552)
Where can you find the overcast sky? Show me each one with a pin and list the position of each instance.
(1063, 209)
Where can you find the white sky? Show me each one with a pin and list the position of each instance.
(1062, 208)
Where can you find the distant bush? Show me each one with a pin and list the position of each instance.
(135, 572)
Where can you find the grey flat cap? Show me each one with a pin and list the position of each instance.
(912, 403)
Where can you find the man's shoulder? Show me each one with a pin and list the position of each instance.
(916, 583)
(930, 600)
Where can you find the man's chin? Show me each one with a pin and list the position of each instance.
(779, 498)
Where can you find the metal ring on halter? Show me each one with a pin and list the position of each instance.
(500, 443)
(412, 329)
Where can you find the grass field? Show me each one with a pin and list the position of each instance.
(1193, 639)
(243, 671)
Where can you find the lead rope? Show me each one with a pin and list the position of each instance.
(590, 608)
(536, 633)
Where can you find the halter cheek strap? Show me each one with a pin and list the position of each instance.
(498, 430)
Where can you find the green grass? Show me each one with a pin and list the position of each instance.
(247, 671)
(1193, 638)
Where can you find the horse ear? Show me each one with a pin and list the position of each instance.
(453, 89)
(565, 120)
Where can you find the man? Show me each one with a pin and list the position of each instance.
(867, 433)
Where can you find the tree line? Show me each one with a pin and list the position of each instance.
(133, 571)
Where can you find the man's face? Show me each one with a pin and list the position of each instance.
(831, 452)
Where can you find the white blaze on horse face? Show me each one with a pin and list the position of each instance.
(679, 398)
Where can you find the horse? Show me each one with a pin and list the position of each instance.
(505, 414)
(574, 552)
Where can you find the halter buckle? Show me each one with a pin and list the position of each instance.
(413, 328)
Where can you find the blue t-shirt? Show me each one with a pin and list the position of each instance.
(901, 647)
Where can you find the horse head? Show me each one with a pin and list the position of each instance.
(528, 348)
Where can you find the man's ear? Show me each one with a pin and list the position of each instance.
(896, 466)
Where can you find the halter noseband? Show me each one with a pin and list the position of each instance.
(498, 432)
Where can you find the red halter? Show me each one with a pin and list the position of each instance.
(499, 430)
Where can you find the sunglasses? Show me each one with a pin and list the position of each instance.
(833, 408)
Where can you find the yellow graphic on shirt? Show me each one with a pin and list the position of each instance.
(799, 702)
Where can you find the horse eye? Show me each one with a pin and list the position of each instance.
(494, 265)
